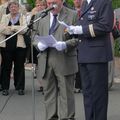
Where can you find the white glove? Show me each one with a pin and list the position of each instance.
(42, 46)
(75, 30)
(60, 45)
(70, 30)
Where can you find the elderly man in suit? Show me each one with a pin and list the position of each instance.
(94, 52)
(58, 64)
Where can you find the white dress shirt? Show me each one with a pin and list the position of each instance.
(51, 18)
(88, 1)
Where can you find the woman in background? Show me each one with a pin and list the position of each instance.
(14, 49)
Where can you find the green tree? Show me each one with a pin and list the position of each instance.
(116, 4)
(31, 2)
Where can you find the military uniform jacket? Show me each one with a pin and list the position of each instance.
(97, 22)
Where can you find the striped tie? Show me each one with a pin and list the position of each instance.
(52, 29)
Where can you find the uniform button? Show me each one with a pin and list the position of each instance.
(80, 41)
(81, 18)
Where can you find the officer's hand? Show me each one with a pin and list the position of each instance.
(75, 30)
(70, 30)
(42, 46)
(60, 45)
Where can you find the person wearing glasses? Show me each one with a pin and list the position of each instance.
(14, 49)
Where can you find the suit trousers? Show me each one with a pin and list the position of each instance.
(78, 84)
(16, 56)
(95, 90)
(58, 87)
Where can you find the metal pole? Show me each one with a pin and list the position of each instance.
(33, 84)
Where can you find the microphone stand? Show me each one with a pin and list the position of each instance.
(42, 15)
(30, 26)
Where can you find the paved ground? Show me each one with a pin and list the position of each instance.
(117, 69)
(15, 107)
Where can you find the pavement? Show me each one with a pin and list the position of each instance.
(117, 70)
(15, 107)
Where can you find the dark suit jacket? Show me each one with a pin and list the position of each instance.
(97, 22)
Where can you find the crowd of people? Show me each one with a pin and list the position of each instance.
(77, 61)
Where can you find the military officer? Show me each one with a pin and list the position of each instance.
(94, 51)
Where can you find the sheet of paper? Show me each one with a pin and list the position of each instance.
(48, 40)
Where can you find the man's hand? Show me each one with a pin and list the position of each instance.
(42, 46)
(60, 45)
(75, 30)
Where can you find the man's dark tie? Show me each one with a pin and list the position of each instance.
(52, 28)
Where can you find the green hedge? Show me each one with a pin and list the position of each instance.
(31, 2)
(116, 3)
(117, 47)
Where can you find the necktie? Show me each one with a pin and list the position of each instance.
(52, 29)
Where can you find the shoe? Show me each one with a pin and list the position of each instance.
(5, 92)
(40, 89)
(35, 77)
(77, 90)
(42, 93)
(21, 92)
(16, 88)
(68, 119)
(0, 88)
(53, 118)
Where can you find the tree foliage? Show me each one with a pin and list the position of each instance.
(31, 2)
(116, 4)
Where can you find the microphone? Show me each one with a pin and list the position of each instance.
(50, 8)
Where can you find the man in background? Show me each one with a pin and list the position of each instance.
(77, 6)
(78, 84)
